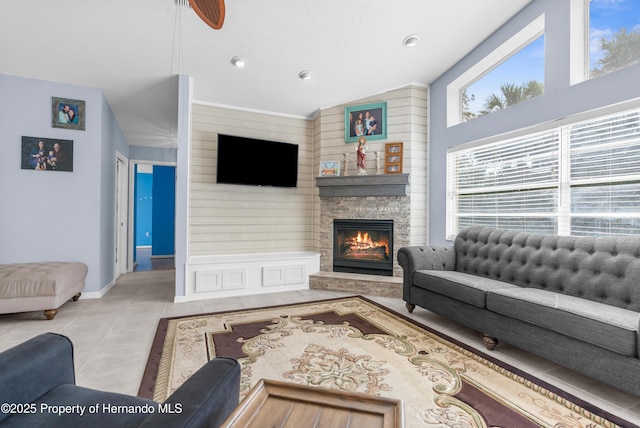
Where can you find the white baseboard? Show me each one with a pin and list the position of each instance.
(98, 294)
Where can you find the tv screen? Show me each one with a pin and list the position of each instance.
(256, 162)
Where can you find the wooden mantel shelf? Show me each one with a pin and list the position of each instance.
(363, 185)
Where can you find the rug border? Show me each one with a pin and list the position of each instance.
(150, 374)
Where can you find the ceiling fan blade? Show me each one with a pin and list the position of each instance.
(210, 11)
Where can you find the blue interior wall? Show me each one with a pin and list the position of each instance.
(143, 211)
(163, 211)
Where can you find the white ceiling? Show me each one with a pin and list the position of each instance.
(132, 49)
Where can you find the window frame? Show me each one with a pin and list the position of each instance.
(510, 47)
(564, 184)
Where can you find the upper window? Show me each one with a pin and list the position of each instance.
(512, 72)
(517, 79)
(614, 35)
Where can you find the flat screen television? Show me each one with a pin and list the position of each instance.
(256, 162)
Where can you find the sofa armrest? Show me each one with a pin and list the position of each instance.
(415, 258)
(33, 368)
(206, 399)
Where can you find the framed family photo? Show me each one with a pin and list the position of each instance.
(368, 120)
(47, 154)
(67, 113)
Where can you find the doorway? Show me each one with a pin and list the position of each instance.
(122, 178)
(154, 216)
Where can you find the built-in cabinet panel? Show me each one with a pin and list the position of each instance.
(247, 274)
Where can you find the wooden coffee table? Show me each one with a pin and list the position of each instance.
(280, 404)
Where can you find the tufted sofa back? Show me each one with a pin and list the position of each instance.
(605, 270)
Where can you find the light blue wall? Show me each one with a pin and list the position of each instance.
(66, 216)
(113, 141)
(560, 99)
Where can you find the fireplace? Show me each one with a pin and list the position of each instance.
(363, 246)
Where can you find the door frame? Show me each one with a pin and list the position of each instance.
(122, 199)
(132, 220)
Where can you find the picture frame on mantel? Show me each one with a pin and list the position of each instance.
(329, 168)
(67, 113)
(393, 158)
(368, 120)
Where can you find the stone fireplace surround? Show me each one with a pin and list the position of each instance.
(351, 198)
(394, 208)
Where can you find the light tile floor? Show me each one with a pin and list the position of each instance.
(112, 336)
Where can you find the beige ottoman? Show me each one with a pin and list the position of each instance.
(42, 286)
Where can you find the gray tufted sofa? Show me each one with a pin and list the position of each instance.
(572, 300)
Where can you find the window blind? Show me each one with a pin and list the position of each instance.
(605, 175)
(580, 179)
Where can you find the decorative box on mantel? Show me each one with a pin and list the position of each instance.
(363, 185)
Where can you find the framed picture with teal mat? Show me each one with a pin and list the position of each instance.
(368, 120)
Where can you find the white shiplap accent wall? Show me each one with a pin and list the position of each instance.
(233, 219)
(407, 122)
(416, 163)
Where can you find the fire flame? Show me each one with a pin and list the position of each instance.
(362, 241)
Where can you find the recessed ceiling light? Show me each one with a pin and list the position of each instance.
(239, 61)
(411, 40)
(305, 75)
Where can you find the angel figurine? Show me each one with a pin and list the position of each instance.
(361, 152)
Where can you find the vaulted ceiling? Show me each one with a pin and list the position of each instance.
(133, 50)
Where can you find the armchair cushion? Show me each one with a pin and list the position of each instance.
(39, 376)
(31, 369)
(70, 405)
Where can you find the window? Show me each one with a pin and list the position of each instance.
(579, 179)
(517, 79)
(458, 95)
(614, 35)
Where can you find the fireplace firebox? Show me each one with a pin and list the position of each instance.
(363, 246)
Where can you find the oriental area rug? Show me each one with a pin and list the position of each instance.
(355, 345)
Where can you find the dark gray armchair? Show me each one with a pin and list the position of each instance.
(37, 389)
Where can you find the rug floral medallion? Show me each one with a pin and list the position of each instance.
(355, 345)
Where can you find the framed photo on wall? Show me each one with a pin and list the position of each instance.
(47, 154)
(368, 120)
(67, 113)
(393, 158)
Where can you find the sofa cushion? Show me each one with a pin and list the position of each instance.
(601, 269)
(603, 325)
(471, 289)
